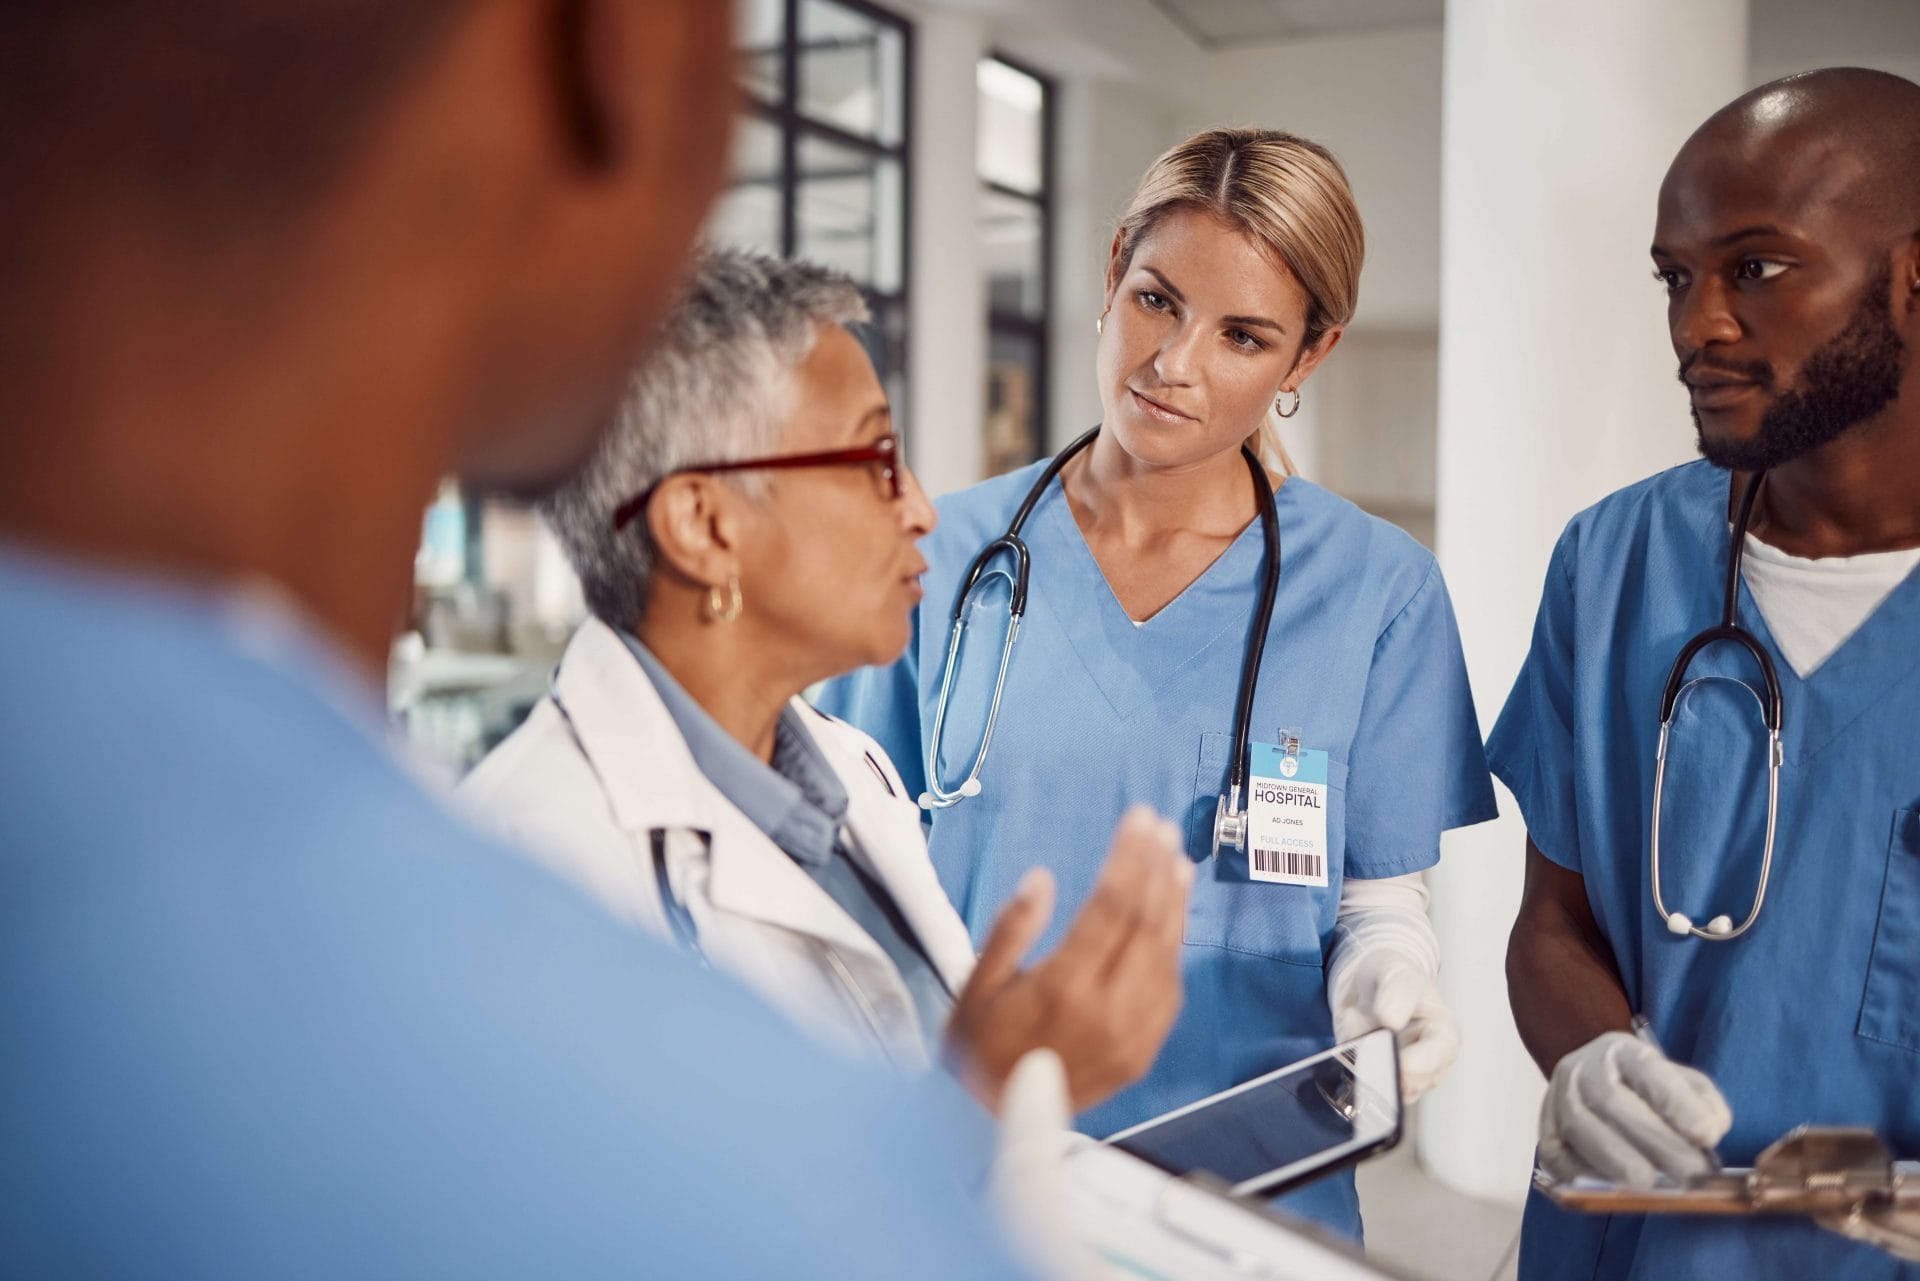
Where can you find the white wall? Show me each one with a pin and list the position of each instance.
(1798, 35)
(1110, 133)
(1367, 419)
(1372, 435)
(1556, 387)
(1374, 99)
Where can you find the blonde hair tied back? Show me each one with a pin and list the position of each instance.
(1285, 191)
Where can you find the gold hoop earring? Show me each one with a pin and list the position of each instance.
(724, 609)
(1290, 407)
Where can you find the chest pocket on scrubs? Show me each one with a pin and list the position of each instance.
(1228, 908)
(1890, 1011)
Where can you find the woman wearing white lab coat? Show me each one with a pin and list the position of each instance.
(599, 778)
(746, 529)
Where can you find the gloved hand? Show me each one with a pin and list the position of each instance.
(1618, 1109)
(1383, 987)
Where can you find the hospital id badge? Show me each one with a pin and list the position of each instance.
(1287, 815)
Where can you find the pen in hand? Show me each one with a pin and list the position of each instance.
(1643, 1031)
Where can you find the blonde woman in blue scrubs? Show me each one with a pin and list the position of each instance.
(1232, 275)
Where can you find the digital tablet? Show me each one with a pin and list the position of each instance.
(1289, 1127)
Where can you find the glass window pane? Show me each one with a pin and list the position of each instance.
(885, 338)
(1012, 436)
(849, 212)
(1012, 143)
(1010, 250)
(759, 36)
(747, 214)
(851, 71)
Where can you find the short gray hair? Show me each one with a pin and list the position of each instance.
(716, 386)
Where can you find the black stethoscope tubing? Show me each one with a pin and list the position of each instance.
(1728, 629)
(1011, 543)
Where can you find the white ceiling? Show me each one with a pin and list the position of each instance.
(1223, 23)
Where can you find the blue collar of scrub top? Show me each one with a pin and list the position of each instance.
(801, 804)
(797, 801)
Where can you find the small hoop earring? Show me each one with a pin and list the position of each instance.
(724, 609)
(1284, 407)
(1099, 323)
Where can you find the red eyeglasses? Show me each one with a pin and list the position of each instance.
(885, 452)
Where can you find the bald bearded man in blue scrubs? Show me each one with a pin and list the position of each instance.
(1788, 244)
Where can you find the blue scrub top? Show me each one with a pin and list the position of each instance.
(1362, 660)
(267, 1011)
(1812, 1016)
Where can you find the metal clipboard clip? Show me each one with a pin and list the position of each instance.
(1842, 1177)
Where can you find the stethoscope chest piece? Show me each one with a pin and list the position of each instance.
(1229, 824)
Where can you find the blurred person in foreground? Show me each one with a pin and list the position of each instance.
(745, 530)
(268, 269)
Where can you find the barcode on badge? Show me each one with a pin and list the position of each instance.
(1290, 863)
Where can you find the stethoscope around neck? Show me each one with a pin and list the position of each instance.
(1230, 818)
(1721, 928)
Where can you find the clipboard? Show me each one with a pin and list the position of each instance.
(1823, 1172)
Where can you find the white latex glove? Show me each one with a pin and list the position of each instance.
(1382, 987)
(1618, 1109)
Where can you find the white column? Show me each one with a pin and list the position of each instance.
(1556, 387)
(947, 321)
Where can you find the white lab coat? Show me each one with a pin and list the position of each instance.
(599, 768)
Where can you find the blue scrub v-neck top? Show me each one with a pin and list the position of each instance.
(1814, 1014)
(1362, 661)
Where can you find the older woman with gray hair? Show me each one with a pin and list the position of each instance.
(746, 530)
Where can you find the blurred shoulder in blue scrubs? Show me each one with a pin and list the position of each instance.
(270, 1012)
(1209, 634)
(1779, 977)
(269, 271)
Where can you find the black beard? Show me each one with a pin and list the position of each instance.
(1846, 381)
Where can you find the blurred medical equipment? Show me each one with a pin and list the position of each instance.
(1842, 1177)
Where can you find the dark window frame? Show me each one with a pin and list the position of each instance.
(1036, 328)
(794, 124)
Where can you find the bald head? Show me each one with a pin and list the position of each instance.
(1843, 134)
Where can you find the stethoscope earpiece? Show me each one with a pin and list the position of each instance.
(1719, 927)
